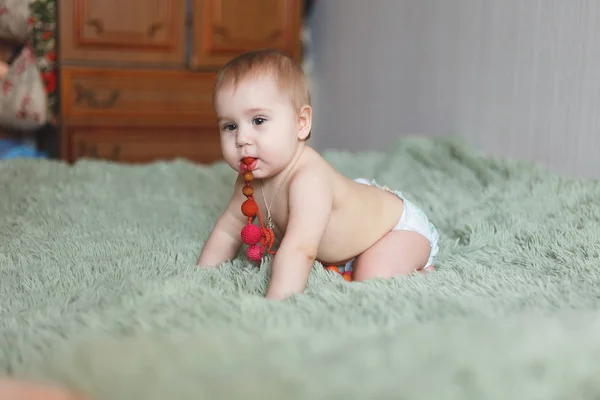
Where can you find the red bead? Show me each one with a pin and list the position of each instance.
(248, 160)
(251, 234)
(249, 208)
(254, 253)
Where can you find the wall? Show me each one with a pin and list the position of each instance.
(516, 77)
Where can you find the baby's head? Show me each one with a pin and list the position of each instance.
(263, 109)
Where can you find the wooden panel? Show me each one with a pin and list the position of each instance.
(143, 144)
(226, 28)
(145, 97)
(117, 31)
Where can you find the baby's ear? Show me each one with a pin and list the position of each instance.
(304, 122)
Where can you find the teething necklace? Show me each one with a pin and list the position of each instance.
(257, 239)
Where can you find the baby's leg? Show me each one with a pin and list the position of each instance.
(397, 253)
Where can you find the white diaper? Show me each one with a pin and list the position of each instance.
(413, 219)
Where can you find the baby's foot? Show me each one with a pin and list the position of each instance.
(426, 270)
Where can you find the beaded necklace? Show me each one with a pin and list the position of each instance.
(257, 239)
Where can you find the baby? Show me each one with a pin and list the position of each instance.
(263, 109)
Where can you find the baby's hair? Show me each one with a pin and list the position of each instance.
(288, 74)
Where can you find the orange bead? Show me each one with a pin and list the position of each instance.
(248, 191)
(248, 160)
(332, 268)
(248, 176)
(249, 208)
(347, 276)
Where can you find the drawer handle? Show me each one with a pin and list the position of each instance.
(97, 24)
(92, 101)
(153, 28)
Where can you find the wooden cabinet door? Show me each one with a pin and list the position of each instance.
(119, 31)
(226, 28)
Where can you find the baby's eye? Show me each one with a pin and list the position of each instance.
(229, 127)
(258, 121)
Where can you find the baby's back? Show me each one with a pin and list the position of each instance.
(361, 215)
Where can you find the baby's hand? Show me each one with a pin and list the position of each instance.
(224, 241)
(307, 221)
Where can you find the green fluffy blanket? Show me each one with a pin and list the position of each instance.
(99, 290)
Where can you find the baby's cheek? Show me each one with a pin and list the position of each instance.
(227, 144)
(229, 153)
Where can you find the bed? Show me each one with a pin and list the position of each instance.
(99, 291)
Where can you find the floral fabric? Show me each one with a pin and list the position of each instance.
(23, 100)
(43, 22)
(13, 17)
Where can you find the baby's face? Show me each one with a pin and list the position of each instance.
(257, 120)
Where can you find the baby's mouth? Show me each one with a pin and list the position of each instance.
(249, 163)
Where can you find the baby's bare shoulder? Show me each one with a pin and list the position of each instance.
(315, 164)
(309, 177)
(312, 177)
(312, 166)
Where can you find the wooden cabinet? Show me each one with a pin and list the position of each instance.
(136, 76)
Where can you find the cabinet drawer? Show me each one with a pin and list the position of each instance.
(167, 98)
(132, 32)
(143, 144)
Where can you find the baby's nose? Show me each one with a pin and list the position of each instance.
(242, 138)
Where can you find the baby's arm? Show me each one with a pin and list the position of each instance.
(224, 241)
(310, 203)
